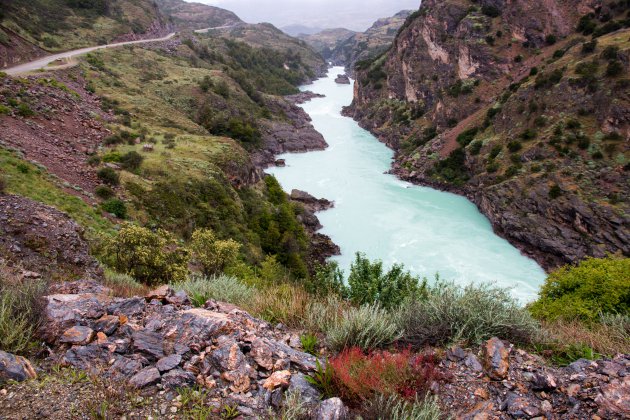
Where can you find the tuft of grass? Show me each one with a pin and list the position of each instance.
(19, 311)
(474, 313)
(309, 343)
(294, 407)
(395, 408)
(124, 285)
(221, 287)
(366, 327)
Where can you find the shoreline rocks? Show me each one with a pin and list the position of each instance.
(342, 79)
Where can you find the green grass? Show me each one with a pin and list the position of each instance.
(25, 179)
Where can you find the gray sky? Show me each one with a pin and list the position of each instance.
(351, 14)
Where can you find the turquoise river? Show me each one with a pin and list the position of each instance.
(429, 231)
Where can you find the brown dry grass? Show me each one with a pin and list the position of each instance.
(283, 303)
(604, 339)
(124, 286)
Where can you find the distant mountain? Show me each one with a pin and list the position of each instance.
(296, 30)
(345, 47)
(185, 15)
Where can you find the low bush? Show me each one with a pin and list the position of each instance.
(367, 327)
(108, 176)
(359, 377)
(149, 257)
(116, 207)
(328, 279)
(555, 191)
(395, 408)
(490, 10)
(104, 192)
(467, 136)
(369, 283)
(595, 286)
(131, 161)
(471, 314)
(222, 288)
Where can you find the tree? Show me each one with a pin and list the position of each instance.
(369, 283)
(211, 253)
(149, 257)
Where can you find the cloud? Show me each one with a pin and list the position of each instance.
(352, 14)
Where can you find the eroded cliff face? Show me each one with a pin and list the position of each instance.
(506, 102)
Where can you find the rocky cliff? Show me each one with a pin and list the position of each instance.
(520, 105)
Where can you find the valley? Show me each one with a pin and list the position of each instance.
(202, 217)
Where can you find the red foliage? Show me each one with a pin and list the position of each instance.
(360, 376)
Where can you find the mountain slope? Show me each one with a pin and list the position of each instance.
(505, 102)
(185, 15)
(32, 28)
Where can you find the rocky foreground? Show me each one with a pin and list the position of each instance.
(153, 346)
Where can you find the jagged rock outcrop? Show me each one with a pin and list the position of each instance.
(161, 341)
(490, 99)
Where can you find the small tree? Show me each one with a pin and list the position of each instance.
(369, 283)
(149, 257)
(213, 254)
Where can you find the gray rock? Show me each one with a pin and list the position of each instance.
(307, 392)
(107, 324)
(149, 343)
(473, 363)
(331, 409)
(15, 368)
(168, 363)
(178, 378)
(126, 367)
(147, 376)
(86, 357)
(128, 307)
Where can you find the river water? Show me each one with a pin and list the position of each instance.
(427, 230)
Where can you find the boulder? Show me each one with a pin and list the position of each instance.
(178, 378)
(146, 377)
(161, 293)
(342, 79)
(495, 359)
(308, 393)
(331, 409)
(169, 362)
(15, 368)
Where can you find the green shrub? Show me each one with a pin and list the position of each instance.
(473, 313)
(367, 327)
(5, 110)
(514, 146)
(131, 160)
(19, 311)
(395, 408)
(551, 39)
(24, 110)
(589, 47)
(108, 176)
(328, 279)
(112, 156)
(221, 288)
(615, 68)
(116, 207)
(323, 379)
(595, 286)
(370, 284)
(104, 192)
(149, 257)
(611, 53)
(475, 147)
(555, 191)
(212, 253)
(467, 136)
(490, 10)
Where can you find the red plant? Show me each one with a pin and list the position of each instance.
(360, 376)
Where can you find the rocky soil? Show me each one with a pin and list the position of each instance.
(43, 241)
(151, 347)
(66, 128)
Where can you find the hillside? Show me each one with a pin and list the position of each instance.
(189, 15)
(32, 28)
(520, 107)
(344, 48)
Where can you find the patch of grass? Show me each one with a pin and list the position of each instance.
(396, 408)
(220, 287)
(309, 343)
(19, 311)
(124, 285)
(471, 314)
(40, 186)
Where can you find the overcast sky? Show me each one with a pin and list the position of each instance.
(351, 14)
